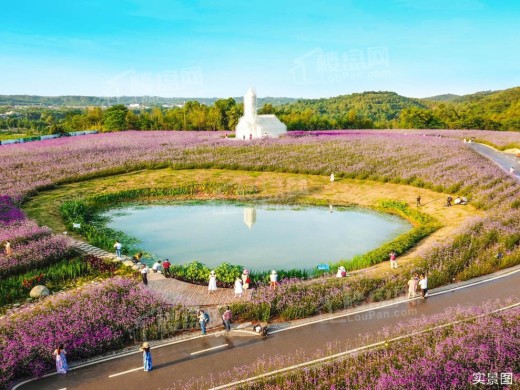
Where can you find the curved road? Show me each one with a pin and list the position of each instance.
(175, 364)
(503, 160)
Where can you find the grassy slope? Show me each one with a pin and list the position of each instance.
(277, 187)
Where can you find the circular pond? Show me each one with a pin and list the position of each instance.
(256, 236)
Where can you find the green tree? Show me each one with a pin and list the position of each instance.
(114, 118)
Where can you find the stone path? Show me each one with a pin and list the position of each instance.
(172, 290)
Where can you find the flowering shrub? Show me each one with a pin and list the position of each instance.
(29, 283)
(9, 213)
(293, 299)
(101, 265)
(37, 253)
(87, 321)
(23, 231)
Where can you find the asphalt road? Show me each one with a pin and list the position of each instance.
(176, 364)
(503, 160)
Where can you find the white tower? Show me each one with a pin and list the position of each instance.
(250, 104)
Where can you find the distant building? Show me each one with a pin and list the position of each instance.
(252, 125)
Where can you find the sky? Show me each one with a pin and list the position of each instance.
(283, 48)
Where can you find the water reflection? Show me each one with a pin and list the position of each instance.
(249, 216)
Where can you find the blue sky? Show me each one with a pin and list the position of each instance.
(288, 48)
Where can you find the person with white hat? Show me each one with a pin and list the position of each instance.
(147, 356)
(212, 286)
(273, 279)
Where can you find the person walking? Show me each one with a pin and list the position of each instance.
(147, 356)
(419, 201)
(203, 320)
(226, 319)
(118, 247)
(273, 279)
(423, 283)
(8, 249)
(212, 285)
(60, 355)
(449, 199)
(238, 288)
(393, 259)
(332, 177)
(144, 274)
(166, 267)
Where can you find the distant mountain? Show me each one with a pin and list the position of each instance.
(85, 101)
(448, 97)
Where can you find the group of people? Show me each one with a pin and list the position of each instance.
(242, 283)
(418, 281)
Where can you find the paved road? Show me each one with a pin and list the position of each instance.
(503, 160)
(177, 363)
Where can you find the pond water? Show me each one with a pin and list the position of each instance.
(259, 237)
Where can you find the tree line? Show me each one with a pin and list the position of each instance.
(498, 110)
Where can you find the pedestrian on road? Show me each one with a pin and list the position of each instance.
(419, 201)
(512, 171)
(8, 249)
(144, 274)
(147, 356)
(423, 283)
(416, 280)
(212, 285)
(273, 278)
(393, 259)
(203, 320)
(226, 319)
(60, 355)
(118, 247)
(166, 267)
(238, 288)
(412, 286)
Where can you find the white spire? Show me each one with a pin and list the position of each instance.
(250, 103)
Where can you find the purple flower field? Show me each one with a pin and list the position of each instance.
(415, 158)
(35, 253)
(88, 321)
(441, 357)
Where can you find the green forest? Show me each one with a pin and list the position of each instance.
(491, 110)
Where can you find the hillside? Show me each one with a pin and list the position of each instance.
(358, 110)
(490, 110)
(87, 101)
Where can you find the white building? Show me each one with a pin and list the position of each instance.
(252, 125)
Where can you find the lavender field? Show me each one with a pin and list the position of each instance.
(420, 159)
